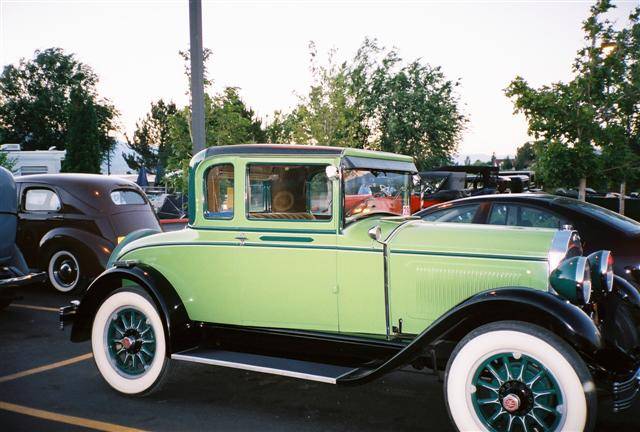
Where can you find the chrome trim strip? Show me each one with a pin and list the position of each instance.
(254, 368)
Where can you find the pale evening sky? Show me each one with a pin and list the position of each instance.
(262, 47)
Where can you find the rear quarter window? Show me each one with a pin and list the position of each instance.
(126, 197)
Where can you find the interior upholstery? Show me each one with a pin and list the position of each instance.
(282, 215)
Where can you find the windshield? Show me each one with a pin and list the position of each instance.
(368, 192)
(602, 214)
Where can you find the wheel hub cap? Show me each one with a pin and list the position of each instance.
(511, 403)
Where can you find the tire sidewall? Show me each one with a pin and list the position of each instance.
(146, 382)
(567, 368)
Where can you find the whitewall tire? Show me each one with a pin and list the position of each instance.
(128, 342)
(64, 271)
(512, 376)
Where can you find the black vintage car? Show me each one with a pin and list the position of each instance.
(599, 228)
(14, 272)
(68, 224)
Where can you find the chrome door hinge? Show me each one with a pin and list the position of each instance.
(398, 329)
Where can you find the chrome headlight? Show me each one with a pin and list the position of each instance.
(572, 280)
(601, 263)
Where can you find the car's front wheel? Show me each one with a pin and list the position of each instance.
(128, 342)
(512, 376)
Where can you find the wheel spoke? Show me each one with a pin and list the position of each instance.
(510, 424)
(124, 322)
(145, 330)
(141, 358)
(488, 401)
(543, 407)
(541, 393)
(537, 420)
(507, 367)
(497, 414)
(535, 378)
(522, 369)
(524, 424)
(146, 341)
(488, 386)
(495, 374)
(146, 351)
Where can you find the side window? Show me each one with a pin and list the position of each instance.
(39, 199)
(516, 215)
(462, 214)
(288, 192)
(219, 192)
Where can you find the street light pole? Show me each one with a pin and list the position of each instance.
(197, 75)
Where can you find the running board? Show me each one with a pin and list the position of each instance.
(310, 371)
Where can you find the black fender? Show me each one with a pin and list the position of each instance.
(94, 250)
(180, 332)
(510, 303)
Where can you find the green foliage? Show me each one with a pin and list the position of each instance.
(36, 106)
(179, 150)
(6, 161)
(377, 101)
(83, 137)
(525, 156)
(151, 140)
(507, 164)
(595, 116)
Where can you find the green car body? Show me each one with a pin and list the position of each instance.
(304, 261)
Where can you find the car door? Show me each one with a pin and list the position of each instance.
(40, 210)
(287, 253)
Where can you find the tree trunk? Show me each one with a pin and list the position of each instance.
(582, 191)
(623, 192)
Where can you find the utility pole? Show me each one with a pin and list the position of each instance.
(197, 75)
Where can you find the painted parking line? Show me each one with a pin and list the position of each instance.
(61, 418)
(40, 308)
(46, 367)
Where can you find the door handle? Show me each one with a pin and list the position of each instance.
(242, 238)
(56, 217)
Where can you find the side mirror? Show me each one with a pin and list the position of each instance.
(416, 180)
(331, 172)
(375, 233)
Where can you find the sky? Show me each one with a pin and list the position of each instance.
(262, 48)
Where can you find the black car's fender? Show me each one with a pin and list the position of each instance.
(94, 250)
(180, 333)
(521, 304)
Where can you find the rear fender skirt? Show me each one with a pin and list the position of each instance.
(521, 304)
(180, 332)
(85, 242)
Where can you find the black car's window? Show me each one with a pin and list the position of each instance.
(126, 196)
(219, 192)
(40, 199)
(525, 216)
(601, 214)
(462, 214)
(288, 192)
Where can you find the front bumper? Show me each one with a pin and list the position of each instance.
(625, 392)
(20, 281)
(68, 313)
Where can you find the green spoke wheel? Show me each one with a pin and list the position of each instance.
(514, 392)
(131, 341)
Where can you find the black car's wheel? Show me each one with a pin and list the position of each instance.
(512, 376)
(128, 342)
(65, 271)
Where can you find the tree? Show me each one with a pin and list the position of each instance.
(507, 164)
(6, 161)
(594, 116)
(377, 101)
(36, 107)
(525, 156)
(151, 140)
(467, 161)
(83, 137)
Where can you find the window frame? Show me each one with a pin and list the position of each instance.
(23, 204)
(205, 183)
(145, 201)
(247, 193)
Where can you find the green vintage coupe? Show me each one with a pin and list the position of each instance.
(304, 261)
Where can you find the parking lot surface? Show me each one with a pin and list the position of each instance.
(50, 384)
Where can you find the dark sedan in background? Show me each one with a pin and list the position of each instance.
(68, 224)
(598, 227)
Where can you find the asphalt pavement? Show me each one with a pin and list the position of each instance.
(48, 383)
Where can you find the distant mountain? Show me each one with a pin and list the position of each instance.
(118, 164)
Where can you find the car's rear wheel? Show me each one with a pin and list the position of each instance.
(511, 376)
(128, 343)
(65, 271)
